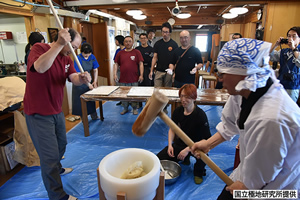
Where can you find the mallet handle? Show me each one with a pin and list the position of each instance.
(69, 43)
(190, 143)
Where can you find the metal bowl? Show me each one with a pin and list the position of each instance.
(172, 171)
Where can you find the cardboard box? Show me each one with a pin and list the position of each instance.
(7, 149)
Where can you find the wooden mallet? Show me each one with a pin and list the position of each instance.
(69, 43)
(147, 117)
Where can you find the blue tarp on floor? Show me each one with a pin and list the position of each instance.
(85, 153)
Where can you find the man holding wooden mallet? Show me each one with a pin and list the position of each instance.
(48, 68)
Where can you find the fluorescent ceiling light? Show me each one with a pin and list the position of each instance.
(200, 26)
(253, 4)
(109, 16)
(183, 15)
(139, 17)
(134, 12)
(229, 15)
(239, 10)
(120, 1)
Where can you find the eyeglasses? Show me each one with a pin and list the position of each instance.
(184, 38)
(185, 96)
(165, 32)
(293, 36)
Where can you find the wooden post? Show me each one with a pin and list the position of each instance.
(101, 192)
(121, 196)
(160, 191)
(101, 111)
(84, 118)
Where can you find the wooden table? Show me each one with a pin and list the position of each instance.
(205, 97)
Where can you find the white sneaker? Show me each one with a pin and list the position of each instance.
(72, 198)
(67, 171)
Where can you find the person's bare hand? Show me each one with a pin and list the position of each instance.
(85, 78)
(171, 151)
(64, 36)
(236, 186)
(116, 78)
(141, 78)
(182, 154)
(95, 84)
(150, 75)
(200, 146)
(292, 44)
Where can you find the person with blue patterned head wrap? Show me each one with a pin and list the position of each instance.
(249, 58)
(266, 119)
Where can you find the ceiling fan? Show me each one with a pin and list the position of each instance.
(176, 9)
(174, 12)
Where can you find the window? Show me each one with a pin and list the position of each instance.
(201, 42)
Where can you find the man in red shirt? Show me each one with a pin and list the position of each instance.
(48, 68)
(131, 70)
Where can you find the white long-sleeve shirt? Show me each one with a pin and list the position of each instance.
(269, 143)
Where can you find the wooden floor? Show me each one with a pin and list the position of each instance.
(6, 177)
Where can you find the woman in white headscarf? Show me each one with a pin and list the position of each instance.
(261, 112)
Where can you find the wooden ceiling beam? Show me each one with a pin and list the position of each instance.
(158, 13)
(182, 22)
(170, 4)
(16, 11)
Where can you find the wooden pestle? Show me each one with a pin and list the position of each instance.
(148, 115)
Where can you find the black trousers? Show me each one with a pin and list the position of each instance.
(199, 166)
(225, 195)
(147, 81)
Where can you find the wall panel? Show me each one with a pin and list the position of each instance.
(280, 18)
(228, 29)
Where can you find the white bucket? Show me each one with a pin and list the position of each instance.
(116, 163)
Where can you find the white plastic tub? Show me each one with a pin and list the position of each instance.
(116, 163)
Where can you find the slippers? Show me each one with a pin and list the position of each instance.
(124, 111)
(77, 118)
(71, 119)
